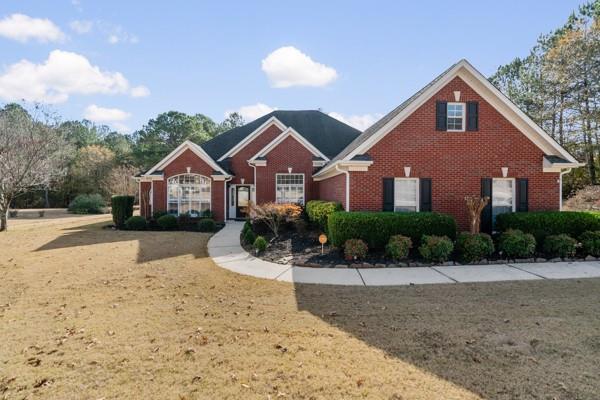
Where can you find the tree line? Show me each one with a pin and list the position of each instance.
(94, 158)
(558, 85)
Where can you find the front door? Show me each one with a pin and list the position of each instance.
(242, 195)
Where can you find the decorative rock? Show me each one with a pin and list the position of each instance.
(541, 259)
(524, 260)
(402, 264)
(497, 261)
(313, 265)
(590, 258)
(341, 266)
(308, 250)
(555, 259)
(420, 264)
(367, 265)
(379, 265)
(447, 263)
(355, 265)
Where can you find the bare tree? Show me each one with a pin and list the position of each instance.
(33, 153)
(475, 205)
(120, 181)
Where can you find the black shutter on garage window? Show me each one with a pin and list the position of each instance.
(472, 116)
(441, 111)
(522, 194)
(388, 194)
(486, 214)
(425, 194)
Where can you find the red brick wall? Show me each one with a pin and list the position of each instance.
(333, 189)
(239, 162)
(456, 161)
(197, 166)
(289, 153)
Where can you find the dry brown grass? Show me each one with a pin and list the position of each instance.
(93, 313)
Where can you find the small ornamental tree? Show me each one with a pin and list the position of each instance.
(273, 215)
(122, 209)
(475, 205)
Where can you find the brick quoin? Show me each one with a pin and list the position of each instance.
(455, 161)
(179, 166)
(288, 153)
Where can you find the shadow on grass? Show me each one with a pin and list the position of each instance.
(152, 245)
(518, 340)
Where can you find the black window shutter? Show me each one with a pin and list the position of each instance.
(486, 214)
(388, 194)
(441, 111)
(522, 194)
(425, 194)
(472, 116)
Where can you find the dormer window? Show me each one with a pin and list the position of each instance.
(455, 117)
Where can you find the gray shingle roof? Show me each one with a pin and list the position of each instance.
(327, 134)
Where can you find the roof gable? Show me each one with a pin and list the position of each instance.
(289, 132)
(187, 145)
(478, 83)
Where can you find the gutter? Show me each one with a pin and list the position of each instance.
(337, 168)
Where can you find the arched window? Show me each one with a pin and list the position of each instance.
(188, 193)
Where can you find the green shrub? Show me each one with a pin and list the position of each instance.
(260, 244)
(207, 225)
(355, 249)
(545, 223)
(472, 247)
(87, 204)
(318, 211)
(121, 209)
(376, 228)
(157, 214)
(515, 244)
(249, 237)
(436, 249)
(560, 246)
(590, 243)
(167, 222)
(398, 247)
(185, 221)
(136, 223)
(247, 226)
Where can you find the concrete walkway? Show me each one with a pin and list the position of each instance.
(225, 249)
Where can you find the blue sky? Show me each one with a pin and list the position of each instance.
(123, 62)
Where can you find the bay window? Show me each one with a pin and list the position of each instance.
(188, 193)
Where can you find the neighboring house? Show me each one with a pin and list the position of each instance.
(458, 136)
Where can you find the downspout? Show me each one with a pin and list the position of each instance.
(337, 168)
(560, 180)
(225, 198)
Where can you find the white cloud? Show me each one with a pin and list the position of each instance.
(81, 26)
(22, 28)
(288, 66)
(252, 112)
(61, 75)
(360, 122)
(140, 91)
(102, 114)
(116, 34)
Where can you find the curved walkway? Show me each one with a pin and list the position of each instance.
(225, 249)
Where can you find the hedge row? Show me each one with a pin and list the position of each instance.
(376, 228)
(318, 211)
(546, 223)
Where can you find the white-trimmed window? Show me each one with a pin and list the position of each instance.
(406, 194)
(503, 196)
(188, 193)
(455, 117)
(289, 188)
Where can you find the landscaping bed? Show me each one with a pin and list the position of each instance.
(364, 240)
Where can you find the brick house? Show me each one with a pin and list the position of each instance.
(457, 136)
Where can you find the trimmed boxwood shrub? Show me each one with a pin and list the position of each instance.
(590, 243)
(87, 204)
(318, 211)
(185, 221)
(157, 214)
(136, 223)
(436, 249)
(473, 247)
(249, 237)
(207, 225)
(376, 228)
(121, 209)
(167, 222)
(515, 244)
(260, 244)
(545, 223)
(560, 246)
(355, 249)
(398, 247)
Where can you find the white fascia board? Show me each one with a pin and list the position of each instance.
(284, 135)
(267, 124)
(548, 166)
(488, 92)
(179, 150)
(342, 166)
